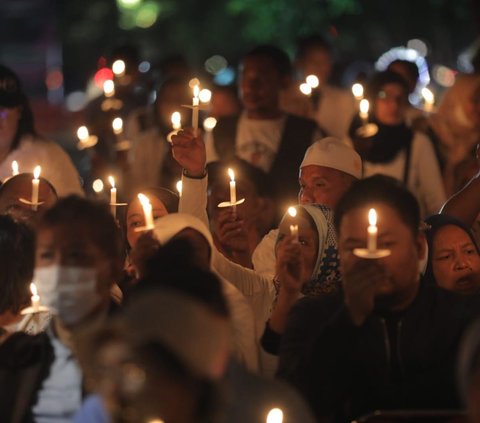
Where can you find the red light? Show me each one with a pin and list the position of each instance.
(54, 79)
(101, 76)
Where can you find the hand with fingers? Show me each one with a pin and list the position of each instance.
(189, 151)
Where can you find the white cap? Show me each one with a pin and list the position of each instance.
(333, 153)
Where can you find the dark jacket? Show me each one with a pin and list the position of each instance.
(296, 138)
(403, 361)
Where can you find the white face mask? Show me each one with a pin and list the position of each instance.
(70, 292)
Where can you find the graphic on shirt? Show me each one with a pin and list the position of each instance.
(256, 153)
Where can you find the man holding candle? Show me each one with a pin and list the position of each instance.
(391, 343)
(263, 134)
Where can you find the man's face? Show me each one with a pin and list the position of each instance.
(322, 185)
(455, 260)
(318, 62)
(9, 118)
(260, 86)
(400, 267)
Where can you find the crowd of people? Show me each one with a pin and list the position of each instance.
(178, 309)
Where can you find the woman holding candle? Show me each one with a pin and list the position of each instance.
(19, 140)
(396, 150)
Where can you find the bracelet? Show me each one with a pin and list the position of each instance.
(185, 173)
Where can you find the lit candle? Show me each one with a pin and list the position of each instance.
(305, 89)
(147, 211)
(35, 298)
(82, 133)
(117, 126)
(275, 415)
(357, 91)
(195, 103)
(209, 124)
(312, 81)
(429, 99)
(109, 88)
(292, 211)
(205, 95)
(176, 121)
(372, 230)
(35, 186)
(113, 196)
(15, 169)
(233, 190)
(364, 106)
(118, 68)
(178, 185)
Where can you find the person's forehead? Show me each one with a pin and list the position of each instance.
(447, 232)
(319, 171)
(258, 63)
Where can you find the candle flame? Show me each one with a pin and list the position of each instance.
(292, 211)
(357, 90)
(176, 119)
(305, 89)
(231, 174)
(372, 217)
(97, 185)
(364, 106)
(312, 81)
(144, 200)
(275, 415)
(109, 88)
(112, 181)
(205, 95)
(117, 125)
(36, 172)
(33, 289)
(196, 90)
(15, 169)
(209, 123)
(118, 67)
(428, 95)
(179, 187)
(82, 133)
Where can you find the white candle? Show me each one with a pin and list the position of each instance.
(195, 103)
(113, 196)
(35, 298)
(15, 170)
(35, 186)
(275, 415)
(292, 211)
(357, 91)
(109, 88)
(147, 211)
(233, 189)
(176, 121)
(117, 126)
(364, 106)
(372, 231)
(118, 68)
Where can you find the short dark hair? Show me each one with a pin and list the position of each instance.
(380, 189)
(411, 67)
(315, 41)
(103, 230)
(380, 79)
(277, 56)
(17, 252)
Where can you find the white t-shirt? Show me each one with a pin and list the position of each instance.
(56, 165)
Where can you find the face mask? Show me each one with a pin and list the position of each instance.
(70, 292)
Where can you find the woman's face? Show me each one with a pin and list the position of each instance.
(307, 236)
(136, 217)
(455, 260)
(9, 118)
(391, 104)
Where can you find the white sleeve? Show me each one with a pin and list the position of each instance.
(193, 200)
(263, 257)
(428, 179)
